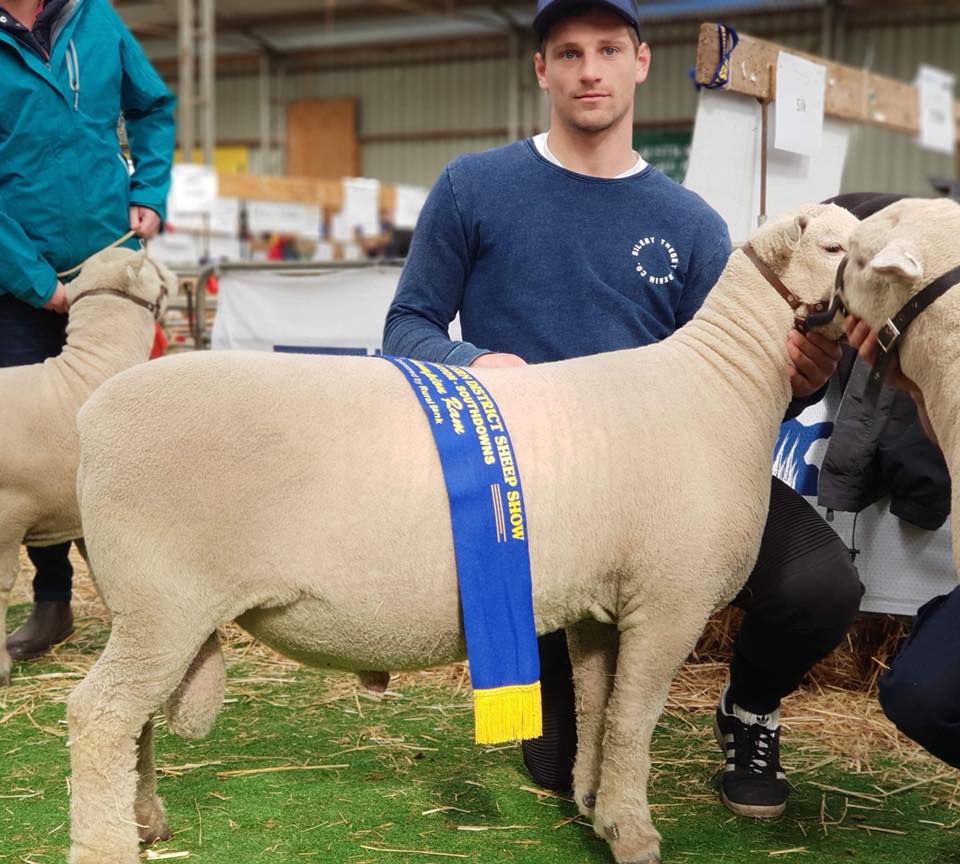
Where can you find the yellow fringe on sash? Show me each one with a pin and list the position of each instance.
(510, 713)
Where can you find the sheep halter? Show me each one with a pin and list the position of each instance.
(154, 307)
(889, 335)
(800, 322)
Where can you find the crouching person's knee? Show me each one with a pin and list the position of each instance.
(924, 711)
(824, 592)
(920, 693)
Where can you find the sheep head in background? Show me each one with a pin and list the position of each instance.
(123, 271)
(39, 450)
(894, 254)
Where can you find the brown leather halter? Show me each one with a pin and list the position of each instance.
(801, 322)
(155, 307)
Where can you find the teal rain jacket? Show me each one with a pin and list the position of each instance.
(65, 190)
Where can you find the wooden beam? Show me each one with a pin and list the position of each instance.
(328, 194)
(851, 94)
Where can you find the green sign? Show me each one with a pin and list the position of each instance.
(667, 149)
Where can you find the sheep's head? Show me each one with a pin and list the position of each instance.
(126, 271)
(898, 251)
(804, 247)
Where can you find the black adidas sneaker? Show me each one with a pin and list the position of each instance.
(753, 782)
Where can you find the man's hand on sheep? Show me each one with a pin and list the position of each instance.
(497, 361)
(861, 337)
(813, 359)
(58, 300)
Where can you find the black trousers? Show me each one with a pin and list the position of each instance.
(29, 335)
(800, 600)
(920, 692)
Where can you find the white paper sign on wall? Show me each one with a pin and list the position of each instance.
(799, 105)
(938, 129)
(408, 204)
(267, 217)
(193, 189)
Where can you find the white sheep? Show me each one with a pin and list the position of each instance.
(321, 524)
(39, 448)
(894, 254)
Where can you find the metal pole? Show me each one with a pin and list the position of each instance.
(266, 157)
(207, 80)
(764, 105)
(827, 29)
(280, 116)
(513, 85)
(185, 81)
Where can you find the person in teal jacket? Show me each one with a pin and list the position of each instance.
(69, 69)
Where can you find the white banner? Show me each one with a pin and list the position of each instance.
(326, 311)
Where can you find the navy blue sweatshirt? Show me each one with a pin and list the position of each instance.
(549, 264)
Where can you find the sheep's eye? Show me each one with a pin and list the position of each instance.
(833, 248)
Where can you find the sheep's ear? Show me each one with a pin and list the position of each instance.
(794, 233)
(894, 260)
(141, 259)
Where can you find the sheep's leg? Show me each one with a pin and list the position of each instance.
(9, 570)
(649, 656)
(139, 668)
(593, 653)
(148, 808)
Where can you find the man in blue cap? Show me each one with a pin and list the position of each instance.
(68, 68)
(569, 244)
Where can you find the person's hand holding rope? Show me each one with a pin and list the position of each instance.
(144, 222)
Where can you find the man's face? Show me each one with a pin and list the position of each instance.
(590, 68)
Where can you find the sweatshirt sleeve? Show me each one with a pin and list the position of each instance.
(707, 261)
(431, 286)
(148, 116)
(25, 274)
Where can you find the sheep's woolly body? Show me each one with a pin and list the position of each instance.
(893, 255)
(39, 447)
(322, 524)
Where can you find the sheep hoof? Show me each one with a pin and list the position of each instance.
(634, 847)
(5, 678)
(376, 682)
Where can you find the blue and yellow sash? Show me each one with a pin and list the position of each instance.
(489, 525)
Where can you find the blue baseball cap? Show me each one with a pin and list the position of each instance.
(551, 11)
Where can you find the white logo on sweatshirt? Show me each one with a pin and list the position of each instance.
(656, 260)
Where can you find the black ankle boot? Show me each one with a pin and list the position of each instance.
(50, 622)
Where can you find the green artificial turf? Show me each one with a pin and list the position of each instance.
(413, 780)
